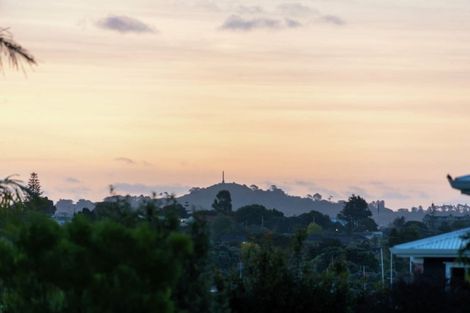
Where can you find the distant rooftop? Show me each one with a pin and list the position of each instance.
(444, 245)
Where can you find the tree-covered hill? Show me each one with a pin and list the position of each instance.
(273, 198)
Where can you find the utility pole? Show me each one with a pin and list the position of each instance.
(382, 265)
(364, 277)
(223, 177)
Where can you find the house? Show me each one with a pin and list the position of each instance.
(437, 257)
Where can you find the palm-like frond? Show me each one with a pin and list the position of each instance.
(15, 54)
(12, 191)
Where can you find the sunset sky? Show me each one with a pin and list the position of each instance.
(370, 97)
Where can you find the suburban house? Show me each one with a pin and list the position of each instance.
(436, 257)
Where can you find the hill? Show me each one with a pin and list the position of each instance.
(274, 198)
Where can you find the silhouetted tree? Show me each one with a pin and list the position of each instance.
(223, 202)
(35, 200)
(176, 209)
(34, 185)
(357, 215)
(256, 214)
(408, 231)
(222, 225)
(192, 294)
(271, 284)
(317, 197)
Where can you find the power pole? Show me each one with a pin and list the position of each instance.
(364, 277)
(382, 265)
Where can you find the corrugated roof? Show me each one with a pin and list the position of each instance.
(444, 245)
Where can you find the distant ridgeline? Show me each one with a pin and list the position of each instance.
(275, 198)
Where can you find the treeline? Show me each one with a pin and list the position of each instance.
(157, 258)
(103, 265)
(355, 217)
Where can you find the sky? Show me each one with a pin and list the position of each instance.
(332, 96)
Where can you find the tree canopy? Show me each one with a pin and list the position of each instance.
(357, 215)
(34, 185)
(89, 266)
(223, 202)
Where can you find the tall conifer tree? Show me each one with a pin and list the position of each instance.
(34, 185)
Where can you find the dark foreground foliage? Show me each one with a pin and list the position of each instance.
(421, 296)
(119, 259)
(88, 266)
(271, 284)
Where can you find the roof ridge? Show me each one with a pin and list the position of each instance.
(435, 238)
